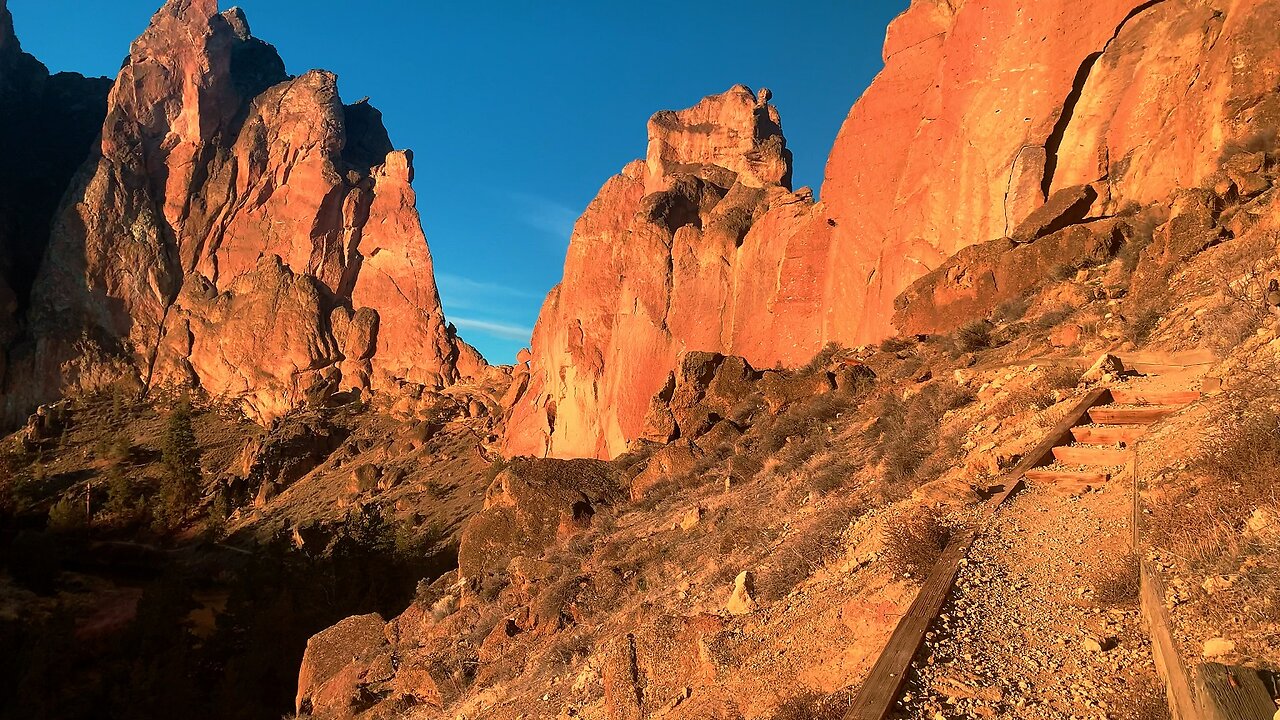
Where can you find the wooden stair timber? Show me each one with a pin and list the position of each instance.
(883, 683)
(1091, 455)
(1049, 475)
(1133, 396)
(1108, 434)
(1130, 415)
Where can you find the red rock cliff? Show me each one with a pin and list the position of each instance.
(983, 110)
(242, 230)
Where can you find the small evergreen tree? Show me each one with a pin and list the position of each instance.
(180, 457)
(122, 497)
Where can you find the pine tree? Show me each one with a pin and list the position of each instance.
(180, 457)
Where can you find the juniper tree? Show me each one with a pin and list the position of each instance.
(180, 457)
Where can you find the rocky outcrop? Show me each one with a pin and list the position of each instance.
(700, 246)
(978, 279)
(984, 109)
(983, 112)
(530, 505)
(47, 125)
(241, 230)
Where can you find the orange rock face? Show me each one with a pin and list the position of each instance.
(984, 109)
(242, 230)
(700, 246)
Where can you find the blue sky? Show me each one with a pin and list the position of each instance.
(518, 112)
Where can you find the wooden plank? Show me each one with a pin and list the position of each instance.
(1067, 476)
(1134, 396)
(1166, 369)
(884, 682)
(1168, 662)
(1042, 454)
(1232, 693)
(1179, 359)
(1142, 415)
(1091, 455)
(1108, 434)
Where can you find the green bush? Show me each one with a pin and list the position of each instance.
(68, 515)
(180, 456)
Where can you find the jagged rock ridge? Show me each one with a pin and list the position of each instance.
(983, 112)
(47, 124)
(238, 229)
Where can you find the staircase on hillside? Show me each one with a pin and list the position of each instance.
(1100, 448)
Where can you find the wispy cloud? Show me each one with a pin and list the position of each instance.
(464, 287)
(508, 331)
(546, 215)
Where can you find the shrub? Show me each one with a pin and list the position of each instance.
(1115, 582)
(914, 542)
(68, 515)
(122, 496)
(1011, 310)
(219, 512)
(896, 344)
(974, 336)
(1053, 318)
(823, 359)
(1139, 326)
(1061, 377)
(907, 430)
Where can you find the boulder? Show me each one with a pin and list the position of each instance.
(529, 505)
(339, 663)
(741, 602)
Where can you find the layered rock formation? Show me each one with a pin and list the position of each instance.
(47, 125)
(238, 229)
(684, 250)
(982, 112)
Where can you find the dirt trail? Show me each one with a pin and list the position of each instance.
(1043, 621)
(1033, 628)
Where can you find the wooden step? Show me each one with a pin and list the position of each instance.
(1129, 415)
(1091, 455)
(1051, 475)
(1108, 434)
(1135, 396)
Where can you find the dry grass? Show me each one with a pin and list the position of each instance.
(1054, 317)
(798, 557)
(1061, 377)
(914, 542)
(1011, 310)
(1140, 323)
(1115, 582)
(1203, 525)
(974, 336)
(1142, 700)
(907, 433)
(896, 344)
(810, 705)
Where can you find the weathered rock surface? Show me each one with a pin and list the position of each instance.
(669, 256)
(976, 280)
(47, 125)
(241, 230)
(983, 111)
(530, 505)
